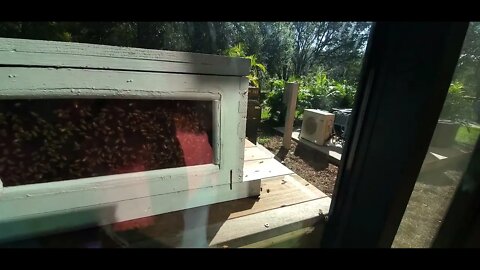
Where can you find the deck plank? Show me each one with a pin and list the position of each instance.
(249, 144)
(253, 228)
(263, 168)
(255, 153)
(282, 191)
(286, 202)
(276, 193)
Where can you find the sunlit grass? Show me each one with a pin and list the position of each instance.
(467, 135)
(263, 140)
(265, 113)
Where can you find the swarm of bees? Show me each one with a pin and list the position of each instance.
(54, 140)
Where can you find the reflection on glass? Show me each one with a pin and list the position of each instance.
(324, 56)
(54, 140)
(450, 148)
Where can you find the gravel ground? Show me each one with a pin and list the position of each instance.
(427, 206)
(426, 209)
(321, 179)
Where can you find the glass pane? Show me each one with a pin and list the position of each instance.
(287, 191)
(63, 139)
(449, 153)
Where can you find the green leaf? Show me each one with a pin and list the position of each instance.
(253, 79)
(262, 67)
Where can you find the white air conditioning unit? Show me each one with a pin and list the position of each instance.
(317, 126)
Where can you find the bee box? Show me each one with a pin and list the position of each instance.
(93, 135)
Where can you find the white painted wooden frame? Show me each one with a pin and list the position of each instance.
(44, 69)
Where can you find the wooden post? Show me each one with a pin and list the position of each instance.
(254, 114)
(291, 92)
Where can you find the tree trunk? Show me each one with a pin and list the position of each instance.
(147, 36)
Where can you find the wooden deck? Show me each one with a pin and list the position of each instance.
(287, 209)
(289, 212)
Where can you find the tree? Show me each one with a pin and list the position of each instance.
(286, 48)
(328, 44)
(209, 37)
(468, 67)
(249, 34)
(277, 49)
(149, 35)
(33, 30)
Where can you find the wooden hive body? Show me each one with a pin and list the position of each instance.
(33, 72)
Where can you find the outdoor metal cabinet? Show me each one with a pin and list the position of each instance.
(46, 70)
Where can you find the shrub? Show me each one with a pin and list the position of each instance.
(316, 91)
(274, 100)
(457, 107)
(256, 68)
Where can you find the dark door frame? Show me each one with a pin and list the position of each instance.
(461, 226)
(404, 81)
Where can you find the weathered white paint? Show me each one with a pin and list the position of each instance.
(216, 109)
(44, 69)
(23, 52)
(26, 200)
(80, 83)
(107, 213)
(61, 83)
